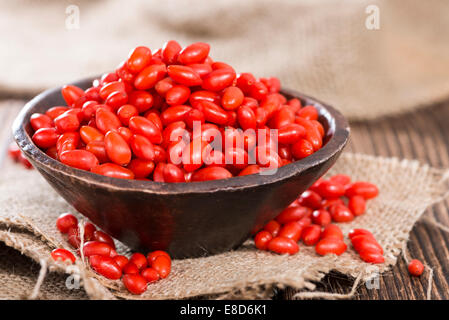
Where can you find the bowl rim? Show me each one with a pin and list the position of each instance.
(334, 145)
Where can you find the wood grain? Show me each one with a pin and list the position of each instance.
(422, 135)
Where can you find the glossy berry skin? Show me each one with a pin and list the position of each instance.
(246, 118)
(142, 147)
(121, 261)
(130, 268)
(245, 82)
(141, 100)
(330, 190)
(153, 255)
(89, 134)
(104, 237)
(360, 188)
(71, 93)
(105, 266)
(356, 232)
(313, 134)
(332, 231)
(162, 265)
(106, 120)
(308, 112)
(327, 203)
(126, 112)
(357, 205)
(63, 255)
(173, 174)
(67, 122)
(340, 213)
(66, 221)
(184, 75)
(141, 168)
(138, 59)
(139, 260)
(293, 214)
(148, 77)
(135, 283)
(232, 98)
(54, 112)
(117, 149)
(290, 133)
(366, 243)
(89, 230)
(170, 52)
(311, 234)
(45, 137)
(261, 239)
(150, 275)
(93, 248)
(218, 79)
(330, 245)
(194, 53)
(177, 95)
(67, 142)
(108, 88)
(273, 227)
(39, 120)
(371, 257)
(73, 237)
(302, 149)
(321, 217)
(415, 268)
(113, 170)
(211, 173)
(147, 128)
(310, 199)
(213, 113)
(173, 114)
(282, 245)
(80, 159)
(342, 179)
(291, 230)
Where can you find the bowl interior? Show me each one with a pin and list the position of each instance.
(335, 126)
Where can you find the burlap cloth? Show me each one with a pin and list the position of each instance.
(319, 47)
(29, 208)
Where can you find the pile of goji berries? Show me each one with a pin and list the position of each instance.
(99, 248)
(310, 217)
(17, 156)
(138, 122)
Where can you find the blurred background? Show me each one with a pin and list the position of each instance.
(368, 58)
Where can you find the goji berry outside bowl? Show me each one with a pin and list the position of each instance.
(186, 219)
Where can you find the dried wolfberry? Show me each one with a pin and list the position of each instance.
(283, 245)
(415, 268)
(63, 255)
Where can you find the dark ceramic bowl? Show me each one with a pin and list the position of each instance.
(186, 219)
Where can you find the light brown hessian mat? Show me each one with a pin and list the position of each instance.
(319, 47)
(29, 209)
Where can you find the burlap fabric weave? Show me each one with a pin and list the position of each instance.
(29, 208)
(320, 47)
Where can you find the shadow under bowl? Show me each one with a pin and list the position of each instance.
(186, 219)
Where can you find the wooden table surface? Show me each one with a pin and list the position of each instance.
(422, 135)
